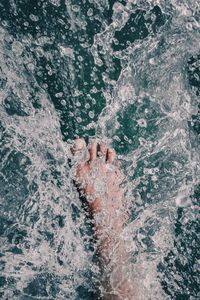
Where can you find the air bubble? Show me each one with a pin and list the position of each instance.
(31, 67)
(17, 48)
(142, 123)
(59, 95)
(63, 102)
(55, 2)
(4, 23)
(189, 26)
(91, 114)
(26, 24)
(78, 104)
(87, 105)
(76, 8)
(90, 12)
(33, 17)
(93, 90)
(152, 61)
(79, 119)
(80, 58)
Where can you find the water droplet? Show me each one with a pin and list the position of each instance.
(142, 123)
(87, 105)
(17, 48)
(63, 102)
(55, 2)
(33, 17)
(79, 120)
(59, 95)
(91, 114)
(76, 8)
(90, 12)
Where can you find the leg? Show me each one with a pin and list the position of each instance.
(99, 180)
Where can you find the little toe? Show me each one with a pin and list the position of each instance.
(93, 151)
(110, 155)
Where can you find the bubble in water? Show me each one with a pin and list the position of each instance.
(142, 123)
(90, 12)
(63, 102)
(55, 2)
(17, 48)
(34, 17)
(91, 114)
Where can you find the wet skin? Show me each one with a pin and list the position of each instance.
(99, 179)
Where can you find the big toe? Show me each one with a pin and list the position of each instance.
(78, 146)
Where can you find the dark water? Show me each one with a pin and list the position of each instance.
(126, 72)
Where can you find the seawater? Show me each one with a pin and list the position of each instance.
(126, 73)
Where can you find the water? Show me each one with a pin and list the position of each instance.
(125, 72)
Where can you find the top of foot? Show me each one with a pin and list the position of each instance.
(98, 177)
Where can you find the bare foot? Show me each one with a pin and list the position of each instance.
(99, 179)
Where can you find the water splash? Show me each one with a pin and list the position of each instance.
(120, 74)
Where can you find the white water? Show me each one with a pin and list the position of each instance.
(34, 197)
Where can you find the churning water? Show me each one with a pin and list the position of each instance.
(126, 72)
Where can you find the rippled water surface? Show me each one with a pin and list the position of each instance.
(125, 72)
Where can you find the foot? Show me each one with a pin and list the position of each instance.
(99, 179)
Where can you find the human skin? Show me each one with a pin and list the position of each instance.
(99, 180)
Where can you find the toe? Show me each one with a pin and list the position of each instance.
(100, 150)
(93, 151)
(110, 155)
(95, 206)
(79, 145)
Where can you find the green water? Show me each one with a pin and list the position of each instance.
(79, 89)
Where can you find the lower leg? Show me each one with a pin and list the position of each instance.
(99, 181)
